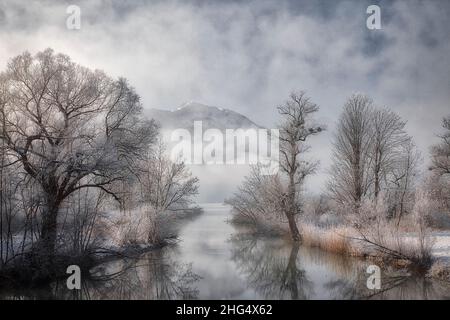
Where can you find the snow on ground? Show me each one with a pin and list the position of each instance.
(441, 247)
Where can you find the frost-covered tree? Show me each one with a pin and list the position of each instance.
(403, 178)
(259, 200)
(368, 152)
(350, 174)
(166, 185)
(439, 182)
(264, 199)
(69, 128)
(387, 140)
(440, 153)
(296, 127)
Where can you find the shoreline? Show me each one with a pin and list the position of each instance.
(342, 241)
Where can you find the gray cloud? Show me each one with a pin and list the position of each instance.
(248, 55)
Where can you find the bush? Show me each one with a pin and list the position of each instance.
(381, 237)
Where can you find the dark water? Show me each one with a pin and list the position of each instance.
(215, 261)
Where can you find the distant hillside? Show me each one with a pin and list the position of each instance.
(211, 117)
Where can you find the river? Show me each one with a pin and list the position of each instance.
(214, 260)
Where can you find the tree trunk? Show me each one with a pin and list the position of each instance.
(295, 234)
(49, 230)
(377, 185)
(357, 180)
(377, 172)
(291, 211)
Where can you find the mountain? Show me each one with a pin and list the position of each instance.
(211, 117)
(217, 181)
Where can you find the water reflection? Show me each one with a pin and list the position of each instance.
(155, 276)
(279, 270)
(215, 260)
(271, 268)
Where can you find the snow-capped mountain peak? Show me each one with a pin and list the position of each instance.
(211, 117)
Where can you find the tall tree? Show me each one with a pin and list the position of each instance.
(440, 167)
(297, 126)
(402, 179)
(351, 178)
(368, 152)
(440, 153)
(387, 139)
(70, 128)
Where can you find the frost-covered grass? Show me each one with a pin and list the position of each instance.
(348, 241)
(441, 255)
(143, 227)
(441, 247)
(334, 239)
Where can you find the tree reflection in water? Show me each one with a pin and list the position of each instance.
(271, 268)
(276, 269)
(351, 281)
(155, 275)
(400, 287)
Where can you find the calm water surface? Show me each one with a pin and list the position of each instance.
(215, 261)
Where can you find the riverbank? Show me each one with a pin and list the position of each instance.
(214, 259)
(401, 250)
(28, 270)
(400, 254)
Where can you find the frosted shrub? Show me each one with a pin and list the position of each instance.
(130, 228)
(381, 237)
(421, 212)
(144, 225)
(258, 201)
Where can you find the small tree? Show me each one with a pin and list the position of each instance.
(166, 186)
(259, 201)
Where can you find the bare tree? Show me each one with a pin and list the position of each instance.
(403, 178)
(81, 229)
(439, 182)
(296, 128)
(270, 197)
(166, 186)
(259, 201)
(440, 153)
(369, 153)
(8, 209)
(350, 174)
(70, 128)
(387, 139)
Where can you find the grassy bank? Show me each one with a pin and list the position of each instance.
(29, 270)
(400, 250)
(385, 246)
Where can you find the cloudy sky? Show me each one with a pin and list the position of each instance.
(248, 55)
